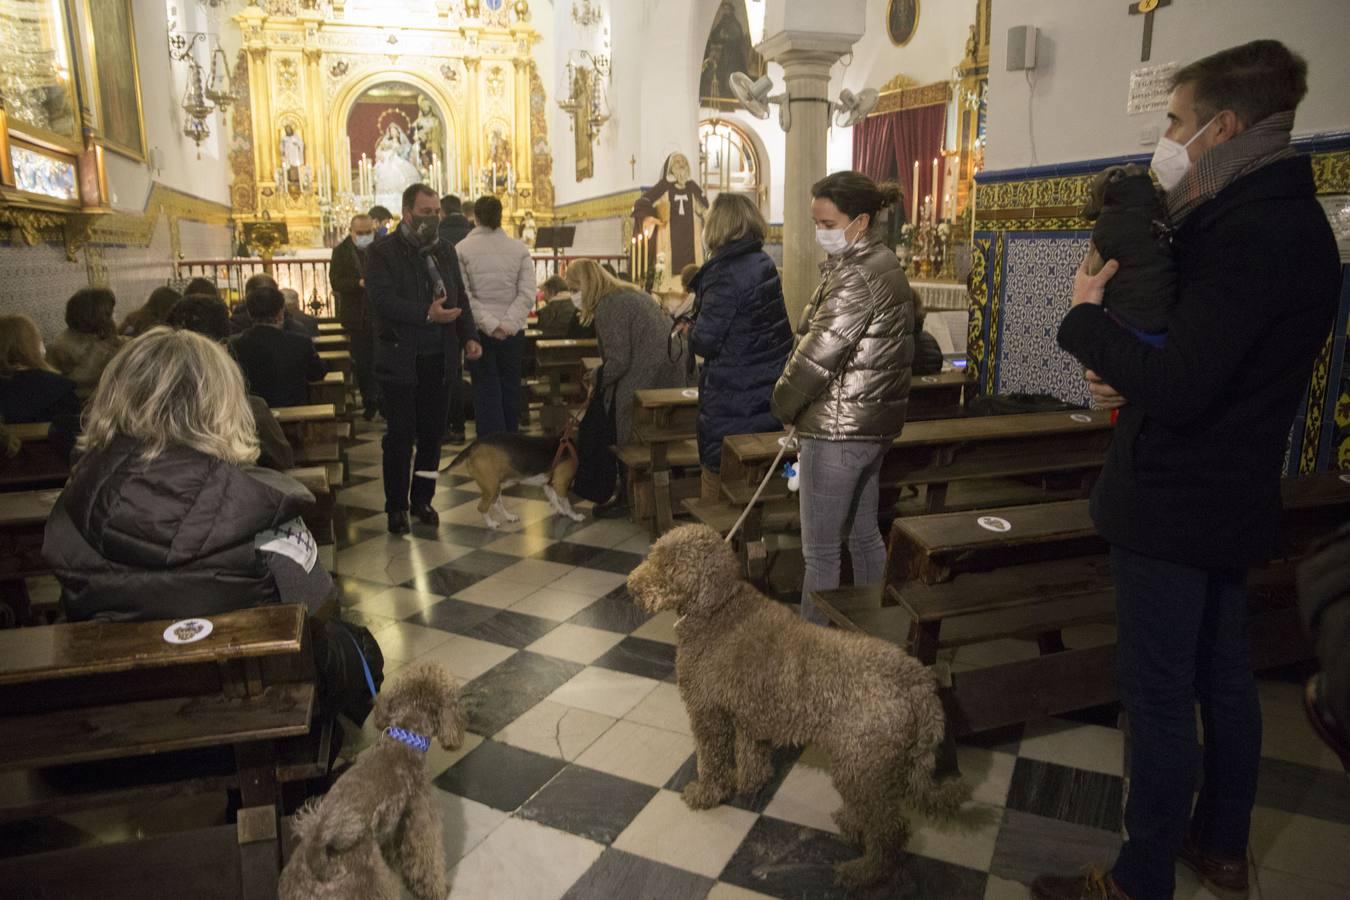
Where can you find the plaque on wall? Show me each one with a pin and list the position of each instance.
(1150, 88)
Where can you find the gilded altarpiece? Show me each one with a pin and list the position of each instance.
(469, 79)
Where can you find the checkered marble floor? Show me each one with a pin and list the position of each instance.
(568, 784)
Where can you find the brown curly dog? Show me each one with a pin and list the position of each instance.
(378, 818)
(754, 675)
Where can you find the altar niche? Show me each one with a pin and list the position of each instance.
(397, 136)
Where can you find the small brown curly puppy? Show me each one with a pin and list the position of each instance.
(379, 818)
(753, 675)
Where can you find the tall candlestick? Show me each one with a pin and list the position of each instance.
(914, 196)
(933, 213)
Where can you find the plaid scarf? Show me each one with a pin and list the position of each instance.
(428, 254)
(1264, 143)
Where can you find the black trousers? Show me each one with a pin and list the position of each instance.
(415, 415)
(455, 420)
(363, 361)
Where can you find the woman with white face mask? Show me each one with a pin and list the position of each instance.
(846, 384)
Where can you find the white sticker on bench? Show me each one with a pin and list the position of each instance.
(1080, 417)
(188, 631)
(691, 393)
(929, 379)
(1345, 477)
(993, 523)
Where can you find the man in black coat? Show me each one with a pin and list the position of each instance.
(1189, 498)
(422, 322)
(278, 365)
(455, 227)
(347, 275)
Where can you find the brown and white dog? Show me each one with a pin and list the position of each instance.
(504, 460)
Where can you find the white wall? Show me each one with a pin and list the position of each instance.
(1088, 48)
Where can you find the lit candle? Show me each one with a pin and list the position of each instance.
(974, 192)
(933, 212)
(914, 196)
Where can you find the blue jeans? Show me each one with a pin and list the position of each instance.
(496, 384)
(1182, 636)
(839, 486)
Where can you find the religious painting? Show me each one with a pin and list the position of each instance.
(36, 73)
(902, 20)
(728, 51)
(117, 77)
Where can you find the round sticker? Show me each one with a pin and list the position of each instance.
(1346, 478)
(1080, 417)
(994, 523)
(691, 393)
(929, 379)
(188, 631)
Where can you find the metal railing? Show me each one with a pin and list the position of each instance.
(308, 276)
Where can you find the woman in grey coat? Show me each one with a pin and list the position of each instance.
(634, 336)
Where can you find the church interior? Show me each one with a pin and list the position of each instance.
(209, 146)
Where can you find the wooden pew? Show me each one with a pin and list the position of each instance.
(23, 520)
(665, 425)
(39, 463)
(314, 432)
(932, 454)
(940, 396)
(559, 367)
(337, 361)
(101, 692)
(332, 341)
(331, 389)
(331, 328)
(1029, 572)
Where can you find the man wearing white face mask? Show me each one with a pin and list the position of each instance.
(347, 275)
(846, 384)
(1189, 498)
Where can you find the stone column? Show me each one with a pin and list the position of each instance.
(806, 60)
(472, 128)
(524, 142)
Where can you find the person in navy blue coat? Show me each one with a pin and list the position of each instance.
(741, 330)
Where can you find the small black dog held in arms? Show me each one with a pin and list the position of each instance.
(1131, 227)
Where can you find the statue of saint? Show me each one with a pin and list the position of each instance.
(394, 167)
(292, 153)
(670, 215)
(426, 131)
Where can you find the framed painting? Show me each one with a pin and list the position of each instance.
(117, 76)
(902, 20)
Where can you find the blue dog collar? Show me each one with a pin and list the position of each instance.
(411, 738)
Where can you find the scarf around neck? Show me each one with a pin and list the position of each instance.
(1264, 143)
(427, 252)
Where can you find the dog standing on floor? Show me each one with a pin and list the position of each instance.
(754, 675)
(378, 822)
(503, 460)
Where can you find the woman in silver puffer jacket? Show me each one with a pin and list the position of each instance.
(846, 385)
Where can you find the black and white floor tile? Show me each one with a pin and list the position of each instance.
(568, 784)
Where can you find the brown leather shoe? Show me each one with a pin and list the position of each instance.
(1095, 885)
(1221, 875)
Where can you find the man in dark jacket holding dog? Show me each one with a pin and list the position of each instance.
(1189, 498)
(422, 322)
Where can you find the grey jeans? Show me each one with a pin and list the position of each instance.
(839, 503)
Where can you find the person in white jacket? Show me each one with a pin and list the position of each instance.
(499, 277)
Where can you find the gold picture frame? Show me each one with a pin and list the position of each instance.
(116, 76)
(902, 21)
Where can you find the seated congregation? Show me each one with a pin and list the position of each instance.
(507, 574)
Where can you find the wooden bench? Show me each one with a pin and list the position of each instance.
(332, 341)
(332, 389)
(940, 396)
(934, 455)
(39, 463)
(97, 692)
(1029, 572)
(23, 520)
(314, 432)
(337, 361)
(559, 365)
(331, 328)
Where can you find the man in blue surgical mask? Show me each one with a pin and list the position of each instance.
(1189, 498)
(347, 275)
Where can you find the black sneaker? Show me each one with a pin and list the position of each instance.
(425, 514)
(398, 523)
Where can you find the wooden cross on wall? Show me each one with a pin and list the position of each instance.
(1146, 8)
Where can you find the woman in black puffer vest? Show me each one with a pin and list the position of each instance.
(741, 330)
(166, 517)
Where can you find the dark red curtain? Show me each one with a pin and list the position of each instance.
(885, 148)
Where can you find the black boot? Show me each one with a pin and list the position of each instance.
(398, 522)
(425, 514)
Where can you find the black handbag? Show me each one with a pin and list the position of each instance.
(597, 433)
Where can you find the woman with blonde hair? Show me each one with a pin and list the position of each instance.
(165, 515)
(846, 384)
(740, 329)
(30, 390)
(637, 347)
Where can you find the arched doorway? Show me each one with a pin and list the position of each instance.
(396, 134)
(728, 161)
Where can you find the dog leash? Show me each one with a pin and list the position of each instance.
(773, 467)
(565, 443)
(365, 666)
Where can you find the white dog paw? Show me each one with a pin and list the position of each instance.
(575, 516)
